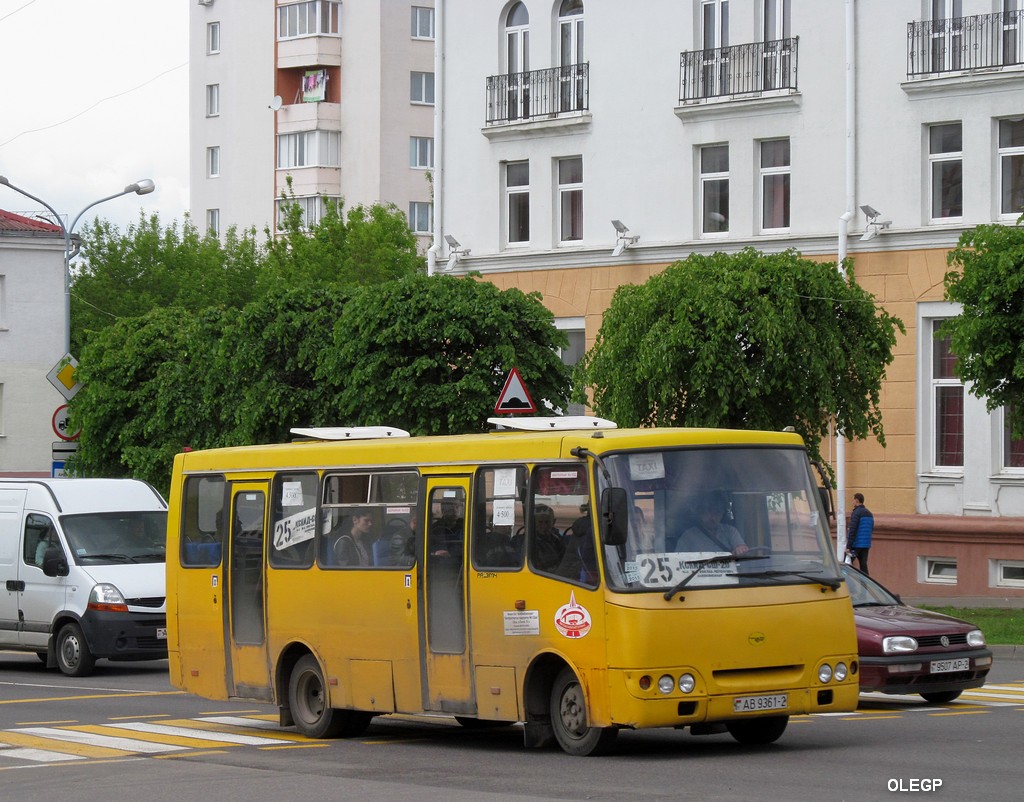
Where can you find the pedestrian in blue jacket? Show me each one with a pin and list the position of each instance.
(858, 537)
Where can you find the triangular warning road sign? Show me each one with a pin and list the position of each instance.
(514, 396)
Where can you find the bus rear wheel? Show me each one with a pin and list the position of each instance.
(758, 731)
(569, 719)
(307, 698)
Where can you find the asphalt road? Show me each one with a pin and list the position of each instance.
(124, 733)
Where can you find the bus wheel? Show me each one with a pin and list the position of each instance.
(73, 655)
(758, 731)
(307, 698)
(569, 719)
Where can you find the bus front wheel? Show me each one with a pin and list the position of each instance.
(314, 718)
(758, 731)
(569, 719)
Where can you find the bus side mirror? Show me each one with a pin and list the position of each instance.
(54, 563)
(614, 516)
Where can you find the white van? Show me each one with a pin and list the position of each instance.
(83, 564)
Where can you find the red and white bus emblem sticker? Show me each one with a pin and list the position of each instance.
(572, 619)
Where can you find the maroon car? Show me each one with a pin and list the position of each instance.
(908, 650)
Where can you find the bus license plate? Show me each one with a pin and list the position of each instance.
(752, 704)
(161, 633)
(942, 666)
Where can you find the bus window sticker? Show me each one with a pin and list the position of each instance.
(291, 494)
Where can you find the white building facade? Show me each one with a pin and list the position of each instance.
(337, 97)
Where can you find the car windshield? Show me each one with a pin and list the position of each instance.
(865, 592)
(719, 517)
(100, 538)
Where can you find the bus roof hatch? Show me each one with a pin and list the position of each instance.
(561, 423)
(351, 432)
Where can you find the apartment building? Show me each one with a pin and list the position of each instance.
(588, 144)
(336, 96)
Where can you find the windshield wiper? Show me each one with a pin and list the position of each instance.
(828, 582)
(123, 558)
(707, 561)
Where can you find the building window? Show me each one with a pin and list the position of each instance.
(421, 152)
(947, 402)
(775, 178)
(1011, 168)
(421, 87)
(575, 329)
(938, 570)
(313, 208)
(212, 162)
(945, 159)
(3, 303)
(422, 22)
(309, 149)
(212, 38)
(517, 202)
(570, 199)
(1013, 448)
(1008, 574)
(313, 18)
(421, 217)
(714, 189)
(212, 100)
(213, 222)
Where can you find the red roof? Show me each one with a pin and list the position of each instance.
(9, 221)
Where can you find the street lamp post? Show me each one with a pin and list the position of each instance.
(142, 187)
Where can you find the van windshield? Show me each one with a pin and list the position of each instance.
(719, 517)
(109, 538)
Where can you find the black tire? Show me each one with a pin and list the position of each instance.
(569, 719)
(758, 731)
(940, 697)
(307, 698)
(481, 723)
(74, 658)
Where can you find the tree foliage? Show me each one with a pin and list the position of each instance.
(988, 334)
(749, 340)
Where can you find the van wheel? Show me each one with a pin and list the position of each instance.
(569, 719)
(758, 731)
(73, 655)
(307, 698)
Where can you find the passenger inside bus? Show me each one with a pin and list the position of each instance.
(711, 533)
(580, 561)
(356, 546)
(446, 531)
(547, 547)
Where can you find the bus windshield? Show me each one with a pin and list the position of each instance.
(111, 538)
(719, 517)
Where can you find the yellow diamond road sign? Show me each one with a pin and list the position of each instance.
(62, 376)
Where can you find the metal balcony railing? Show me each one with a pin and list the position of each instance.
(736, 70)
(524, 96)
(958, 44)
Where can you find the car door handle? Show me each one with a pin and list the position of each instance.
(16, 585)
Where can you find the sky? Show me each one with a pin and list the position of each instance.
(93, 97)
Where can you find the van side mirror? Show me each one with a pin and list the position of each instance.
(54, 562)
(614, 516)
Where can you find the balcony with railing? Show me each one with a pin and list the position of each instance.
(538, 94)
(737, 71)
(964, 44)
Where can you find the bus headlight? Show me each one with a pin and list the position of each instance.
(841, 672)
(686, 683)
(824, 673)
(666, 684)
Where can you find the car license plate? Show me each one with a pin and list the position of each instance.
(161, 633)
(942, 666)
(752, 704)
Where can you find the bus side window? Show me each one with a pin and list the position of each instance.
(203, 521)
(293, 521)
(498, 516)
(560, 535)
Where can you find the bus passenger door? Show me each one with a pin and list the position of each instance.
(447, 684)
(249, 671)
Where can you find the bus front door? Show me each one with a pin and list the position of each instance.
(447, 683)
(248, 669)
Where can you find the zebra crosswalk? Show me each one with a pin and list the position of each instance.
(1002, 695)
(55, 744)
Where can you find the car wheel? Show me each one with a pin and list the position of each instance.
(569, 719)
(758, 731)
(73, 655)
(940, 697)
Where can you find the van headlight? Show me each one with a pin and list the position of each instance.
(107, 599)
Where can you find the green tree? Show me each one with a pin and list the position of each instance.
(148, 267)
(988, 334)
(430, 354)
(749, 340)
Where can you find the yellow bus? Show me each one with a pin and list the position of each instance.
(559, 572)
